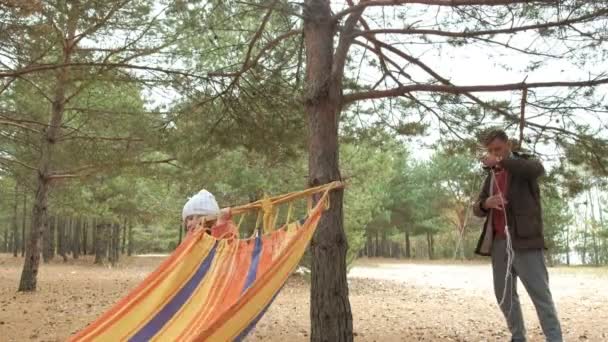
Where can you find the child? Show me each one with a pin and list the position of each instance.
(202, 210)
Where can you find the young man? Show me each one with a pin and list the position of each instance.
(510, 198)
(202, 208)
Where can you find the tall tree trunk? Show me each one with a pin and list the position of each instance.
(85, 227)
(408, 245)
(568, 246)
(48, 238)
(369, 242)
(602, 227)
(115, 250)
(68, 235)
(59, 228)
(585, 233)
(24, 223)
(49, 138)
(111, 245)
(5, 242)
(429, 240)
(108, 241)
(384, 246)
(15, 222)
(124, 236)
(180, 236)
(101, 233)
(63, 227)
(76, 238)
(330, 312)
(130, 244)
(596, 251)
(94, 237)
(376, 244)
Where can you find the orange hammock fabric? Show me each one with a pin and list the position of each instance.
(209, 289)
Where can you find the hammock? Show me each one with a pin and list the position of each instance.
(212, 289)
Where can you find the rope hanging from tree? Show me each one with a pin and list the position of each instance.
(522, 119)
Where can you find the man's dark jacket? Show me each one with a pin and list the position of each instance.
(524, 211)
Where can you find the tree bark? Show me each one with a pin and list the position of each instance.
(14, 223)
(330, 312)
(39, 211)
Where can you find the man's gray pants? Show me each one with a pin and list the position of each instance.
(530, 267)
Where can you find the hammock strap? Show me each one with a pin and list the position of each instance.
(289, 213)
(238, 225)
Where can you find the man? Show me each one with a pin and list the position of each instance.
(510, 199)
(202, 210)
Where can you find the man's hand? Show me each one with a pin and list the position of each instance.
(495, 202)
(490, 160)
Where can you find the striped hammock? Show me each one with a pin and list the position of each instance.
(209, 289)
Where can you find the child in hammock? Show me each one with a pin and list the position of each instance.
(202, 211)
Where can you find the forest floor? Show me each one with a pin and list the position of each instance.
(391, 301)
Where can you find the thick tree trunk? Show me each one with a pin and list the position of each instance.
(24, 223)
(15, 222)
(39, 212)
(49, 139)
(330, 312)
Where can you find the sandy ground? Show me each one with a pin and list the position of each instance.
(391, 301)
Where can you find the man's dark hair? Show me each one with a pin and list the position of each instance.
(493, 135)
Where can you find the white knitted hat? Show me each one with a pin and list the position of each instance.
(203, 203)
